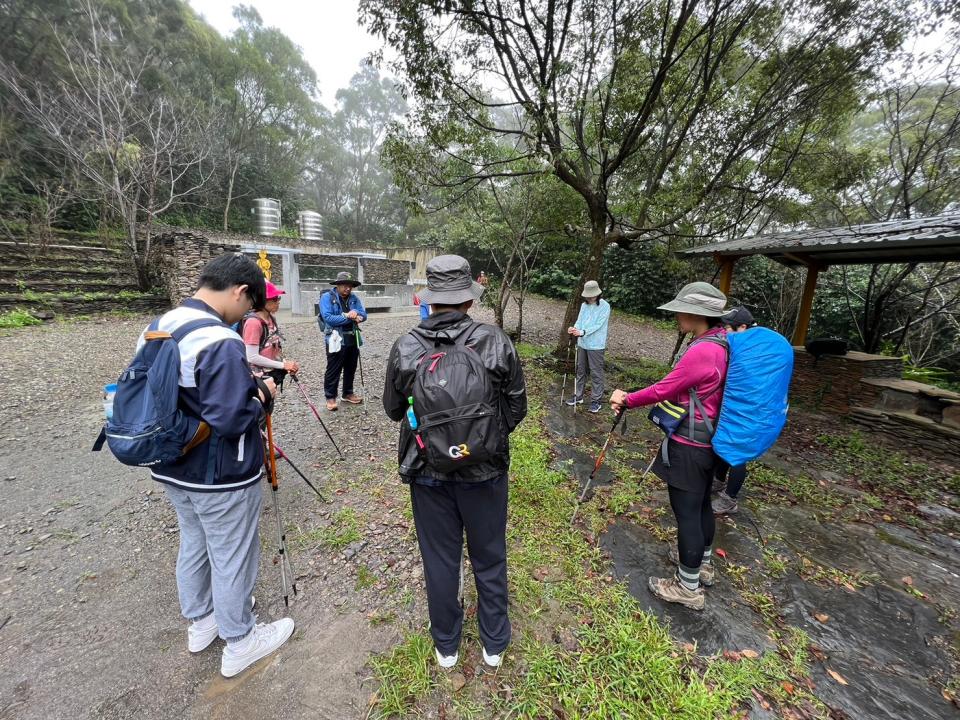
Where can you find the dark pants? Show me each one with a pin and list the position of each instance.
(735, 477)
(441, 514)
(695, 524)
(345, 360)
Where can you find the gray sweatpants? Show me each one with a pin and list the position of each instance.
(592, 361)
(219, 556)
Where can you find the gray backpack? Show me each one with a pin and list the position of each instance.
(456, 406)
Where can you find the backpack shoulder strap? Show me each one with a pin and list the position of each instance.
(465, 336)
(188, 327)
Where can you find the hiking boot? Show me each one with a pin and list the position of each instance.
(707, 572)
(670, 590)
(595, 407)
(353, 399)
(446, 661)
(204, 631)
(492, 661)
(718, 485)
(331, 404)
(574, 401)
(261, 641)
(723, 504)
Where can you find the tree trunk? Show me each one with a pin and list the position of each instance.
(591, 271)
(226, 208)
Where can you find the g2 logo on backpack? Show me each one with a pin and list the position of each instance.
(458, 452)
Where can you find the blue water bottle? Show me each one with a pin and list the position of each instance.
(411, 416)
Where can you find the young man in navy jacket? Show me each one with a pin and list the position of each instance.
(215, 487)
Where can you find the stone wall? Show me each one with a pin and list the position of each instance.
(385, 272)
(832, 383)
(182, 256)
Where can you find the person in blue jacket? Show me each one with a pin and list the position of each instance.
(591, 333)
(341, 312)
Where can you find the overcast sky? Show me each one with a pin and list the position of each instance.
(332, 41)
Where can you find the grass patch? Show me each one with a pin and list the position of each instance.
(887, 472)
(529, 351)
(365, 578)
(17, 319)
(344, 528)
(802, 488)
(404, 675)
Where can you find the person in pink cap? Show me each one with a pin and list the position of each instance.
(263, 340)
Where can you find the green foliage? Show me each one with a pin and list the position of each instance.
(403, 675)
(17, 319)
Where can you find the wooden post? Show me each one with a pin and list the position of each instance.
(806, 304)
(726, 273)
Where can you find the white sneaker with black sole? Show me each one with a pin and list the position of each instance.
(446, 661)
(492, 661)
(204, 631)
(263, 640)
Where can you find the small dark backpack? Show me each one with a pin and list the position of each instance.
(148, 427)
(456, 405)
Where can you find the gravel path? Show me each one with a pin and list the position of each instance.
(89, 620)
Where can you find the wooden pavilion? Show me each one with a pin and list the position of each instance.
(933, 239)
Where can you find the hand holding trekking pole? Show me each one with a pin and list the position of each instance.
(599, 462)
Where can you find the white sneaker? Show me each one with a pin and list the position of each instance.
(262, 641)
(446, 661)
(492, 660)
(204, 631)
(201, 633)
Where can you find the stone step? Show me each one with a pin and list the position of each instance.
(78, 271)
(18, 254)
(68, 286)
(80, 305)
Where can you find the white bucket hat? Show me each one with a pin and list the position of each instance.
(590, 289)
(698, 298)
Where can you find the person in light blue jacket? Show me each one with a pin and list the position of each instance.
(591, 333)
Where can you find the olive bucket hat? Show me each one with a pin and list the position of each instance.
(698, 298)
(449, 282)
(345, 278)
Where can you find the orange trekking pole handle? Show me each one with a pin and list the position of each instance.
(271, 454)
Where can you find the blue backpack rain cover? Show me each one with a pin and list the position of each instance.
(754, 408)
(148, 427)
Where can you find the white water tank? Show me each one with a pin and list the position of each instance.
(310, 224)
(266, 216)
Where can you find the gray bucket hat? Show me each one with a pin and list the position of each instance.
(698, 298)
(344, 278)
(449, 282)
(590, 289)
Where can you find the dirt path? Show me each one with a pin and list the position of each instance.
(88, 608)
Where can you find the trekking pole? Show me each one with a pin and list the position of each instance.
(576, 376)
(363, 387)
(303, 393)
(460, 589)
(281, 535)
(599, 462)
(566, 367)
(284, 456)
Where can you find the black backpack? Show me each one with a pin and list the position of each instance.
(456, 406)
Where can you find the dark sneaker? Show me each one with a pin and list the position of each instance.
(574, 401)
(707, 572)
(595, 407)
(670, 590)
(717, 486)
(723, 504)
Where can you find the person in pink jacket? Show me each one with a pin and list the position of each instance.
(687, 461)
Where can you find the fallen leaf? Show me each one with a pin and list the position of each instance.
(731, 655)
(908, 580)
(720, 552)
(787, 687)
(748, 653)
(837, 676)
(688, 647)
(818, 653)
(822, 617)
(888, 518)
